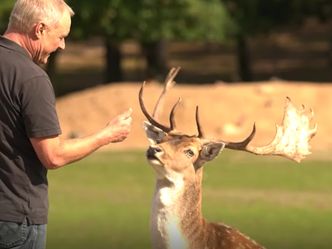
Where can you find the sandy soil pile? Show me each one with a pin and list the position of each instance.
(227, 111)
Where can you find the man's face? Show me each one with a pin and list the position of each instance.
(51, 39)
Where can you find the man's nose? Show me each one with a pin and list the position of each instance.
(62, 44)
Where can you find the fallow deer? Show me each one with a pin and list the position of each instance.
(177, 158)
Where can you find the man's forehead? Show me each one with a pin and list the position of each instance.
(64, 24)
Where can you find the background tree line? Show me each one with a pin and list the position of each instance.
(153, 23)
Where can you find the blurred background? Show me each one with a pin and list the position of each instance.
(239, 60)
(215, 40)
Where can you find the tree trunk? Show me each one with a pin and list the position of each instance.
(113, 70)
(156, 58)
(243, 58)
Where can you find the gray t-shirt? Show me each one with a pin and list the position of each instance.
(27, 109)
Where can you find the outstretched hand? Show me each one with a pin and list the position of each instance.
(118, 128)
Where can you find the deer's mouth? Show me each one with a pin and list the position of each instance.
(152, 155)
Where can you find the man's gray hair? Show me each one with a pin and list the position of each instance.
(27, 13)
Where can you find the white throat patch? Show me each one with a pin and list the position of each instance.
(176, 240)
(165, 221)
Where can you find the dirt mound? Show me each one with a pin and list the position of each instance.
(227, 111)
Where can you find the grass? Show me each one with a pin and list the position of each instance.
(104, 201)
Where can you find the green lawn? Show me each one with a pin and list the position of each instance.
(104, 201)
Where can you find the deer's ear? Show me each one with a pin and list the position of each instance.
(154, 134)
(210, 150)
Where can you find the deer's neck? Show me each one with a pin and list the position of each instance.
(176, 212)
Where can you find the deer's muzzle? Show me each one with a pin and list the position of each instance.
(151, 152)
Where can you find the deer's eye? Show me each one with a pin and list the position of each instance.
(189, 153)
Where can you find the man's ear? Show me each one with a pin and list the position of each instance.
(154, 134)
(39, 29)
(210, 150)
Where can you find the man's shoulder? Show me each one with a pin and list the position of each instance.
(19, 64)
(26, 67)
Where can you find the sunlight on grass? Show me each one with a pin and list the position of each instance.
(104, 201)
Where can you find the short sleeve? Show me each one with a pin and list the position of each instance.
(38, 108)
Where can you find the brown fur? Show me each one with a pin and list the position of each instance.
(203, 234)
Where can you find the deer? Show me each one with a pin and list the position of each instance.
(177, 158)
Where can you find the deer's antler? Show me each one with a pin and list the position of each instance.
(169, 83)
(291, 139)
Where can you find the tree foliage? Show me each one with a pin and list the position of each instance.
(210, 21)
(150, 20)
(260, 16)
(5, 8)
(150, 23)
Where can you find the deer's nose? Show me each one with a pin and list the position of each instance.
(150, 153)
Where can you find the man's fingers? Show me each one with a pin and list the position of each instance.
(126, 114)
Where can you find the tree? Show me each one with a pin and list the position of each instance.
(150, 22)
(251, 18)
(178, 20)
(5, 8)
(260, 17)
(158, 22)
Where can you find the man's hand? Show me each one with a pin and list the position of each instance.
(118, 128)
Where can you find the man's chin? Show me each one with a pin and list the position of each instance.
(42, 60)
(45, 59)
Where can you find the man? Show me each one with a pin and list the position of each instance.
(29, 127)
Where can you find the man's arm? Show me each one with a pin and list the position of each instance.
(55, 152)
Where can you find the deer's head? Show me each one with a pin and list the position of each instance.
(174, 152)
(171, 151)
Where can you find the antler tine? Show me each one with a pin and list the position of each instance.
(169, 83)
(171, 115)
(171, 75)
(243, 144)
(199, 127)
(146, 113)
